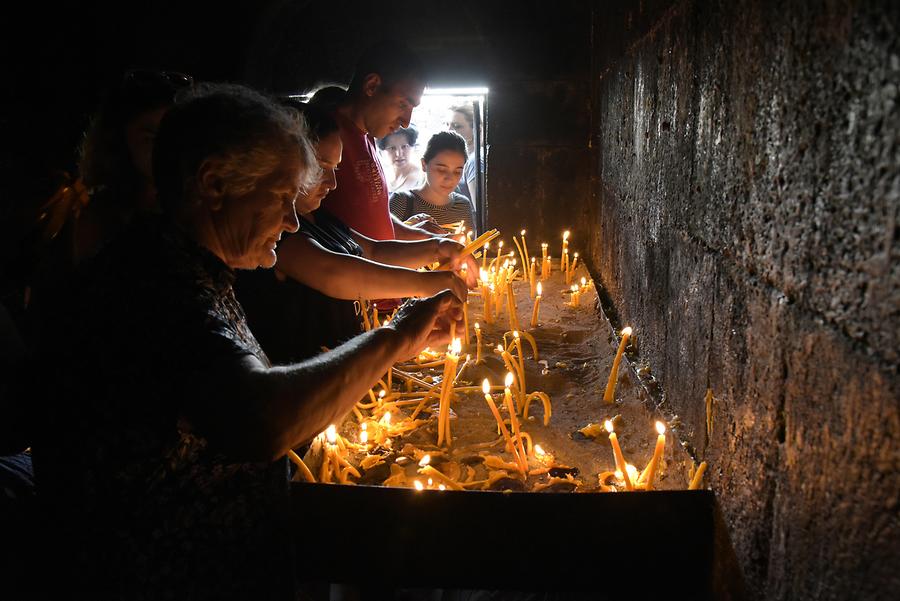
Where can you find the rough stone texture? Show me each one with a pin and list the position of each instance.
(743, 219)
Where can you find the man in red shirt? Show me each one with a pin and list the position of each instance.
(387, 85)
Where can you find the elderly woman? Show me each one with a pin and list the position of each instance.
(165, 426)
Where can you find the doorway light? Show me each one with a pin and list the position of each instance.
(456, 91)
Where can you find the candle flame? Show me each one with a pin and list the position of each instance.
(455, 346)
(382, 393)
(486, 386)
(364, 437)
(386, 419)
(574, 288)
(576, 254)
(364, 426)
(539, 450)
(426, 459)
(477, 327)
(609, 426)
(619, 475)
(532, 260)
(632, 472)
(464, 267)
(583, 280)
(418, 485)
(515, 333)
(566, 235)
(499, 347)
(462, 239)
(660, 427)
(487, 245)
(539, 289)
(331, 434)
(509, 379)
(500, 244)
(544, 245)
(626, 331)
(522, 232)
(430, 483)
(441, 487)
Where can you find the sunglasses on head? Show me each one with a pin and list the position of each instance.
(149, 77)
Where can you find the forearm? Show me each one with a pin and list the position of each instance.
(286, 406)
(346, 277)
(413, 253)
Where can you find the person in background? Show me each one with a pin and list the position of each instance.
(462, 121)
(387, 85)
(307, 301)
(163, 424)
(443, 164)
(398, 150)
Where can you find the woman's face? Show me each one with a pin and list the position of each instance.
(250, 225)
(443, 171)
(397, 148)
(328, 155)
(139, 135)
(460, 125)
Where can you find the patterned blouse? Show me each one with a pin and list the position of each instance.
(154, 509)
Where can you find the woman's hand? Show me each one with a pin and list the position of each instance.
(432, 282)
(426, 322)
(448, 252)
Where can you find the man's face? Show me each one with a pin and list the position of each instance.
(250, 225)
(460, 125)
(389, 107)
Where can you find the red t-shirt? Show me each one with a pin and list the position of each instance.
(361, 197)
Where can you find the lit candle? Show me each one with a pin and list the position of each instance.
(564, 260)
(531, 276)
(507, 398)
(524, 248)
(486, 388)
(478, 344)
(576, 296)
(375, 322)
(609, 395)
(499, 250)
(571, 271)
(621, 466)
(657, 455)
(331, 436)
(583, 284)
(698, 477)
(511, 307)
(537, 304)
(484, 254)
(545, 262)
(450, 362)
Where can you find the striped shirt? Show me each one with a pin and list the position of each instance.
(407, 203)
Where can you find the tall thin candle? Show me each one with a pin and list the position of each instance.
(610, 393)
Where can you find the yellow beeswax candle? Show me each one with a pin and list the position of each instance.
(698, 477)
(517, 344)
(621, 466)
(576, 294)
(486, 388)
(507, 398)
(499, 250)
(537, 304)
(609, 395)
(657, 455)
(301, 466)
(524, 247)
(450, 362)
(466, 323)
(478, 344)
(531, 276)
(484, 254)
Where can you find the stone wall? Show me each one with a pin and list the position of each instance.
(743, 218)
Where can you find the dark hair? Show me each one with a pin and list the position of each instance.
(410, 133)
(445, 140)
(328, 97)
(319, 122)
(392, 61)
(466, 111)
(248, 133)
(105, 160)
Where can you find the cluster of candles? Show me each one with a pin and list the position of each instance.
(387, 419)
